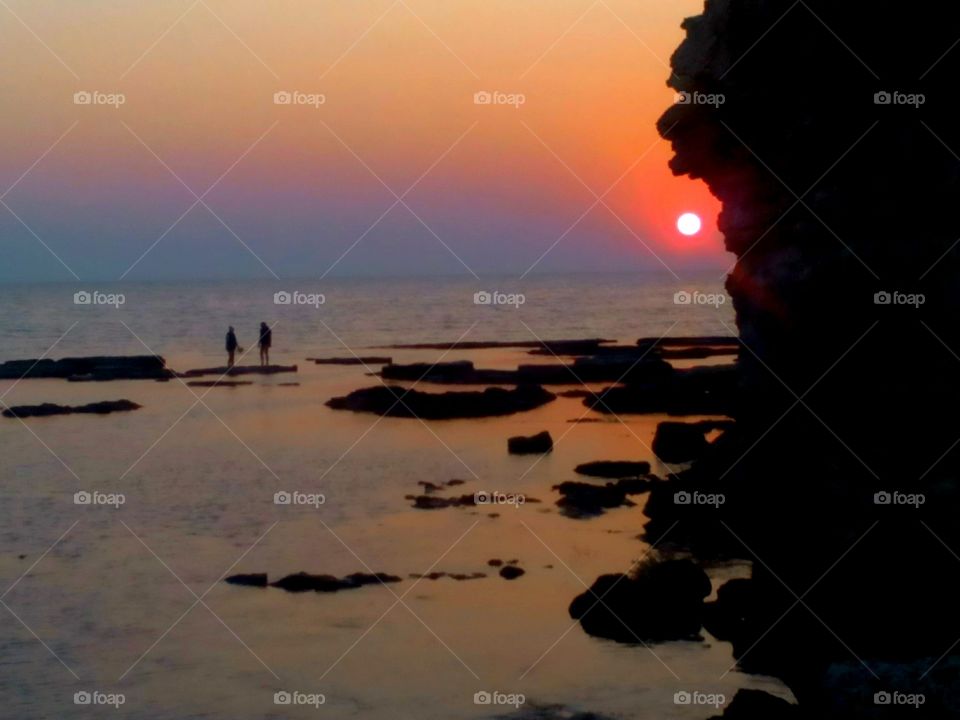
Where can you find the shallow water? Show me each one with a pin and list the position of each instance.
(109, 600)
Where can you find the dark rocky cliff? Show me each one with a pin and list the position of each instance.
(836, 154)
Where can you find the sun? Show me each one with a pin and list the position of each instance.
(689, 224)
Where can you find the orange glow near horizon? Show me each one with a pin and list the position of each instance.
(399, 91)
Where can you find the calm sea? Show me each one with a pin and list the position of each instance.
(127, 600)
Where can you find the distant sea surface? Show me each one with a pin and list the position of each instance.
(105, 599)
(188, 320)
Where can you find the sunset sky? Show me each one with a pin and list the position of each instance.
(303, 184)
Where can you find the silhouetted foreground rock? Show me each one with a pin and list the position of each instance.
(521, 445)
(48, 409)
(662, 601)
(305, 582)
(240, 370)
(368, 360)
(678, 442)
(97, 368)
(613, 469)
(708, 390)
(399, 402)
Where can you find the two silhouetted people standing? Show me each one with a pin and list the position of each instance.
(265, 341)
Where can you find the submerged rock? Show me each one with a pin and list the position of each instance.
(219, 383)
(581, 500)
(48, 409)
(395, 401)
(614, 469)
(240, 370)
(305, 582)
(511, 572)
(709, 390)
(249, 579)
(539, 443)
(370, 360)
(662, 601)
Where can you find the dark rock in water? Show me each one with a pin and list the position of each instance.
(219, 383)
(432, 502)
(758, 705)
(240, 370)
(496, 562)
(581, 500)
(288, 384)
(251, 579)
(361, 579)
(369, 360)
(305, 582)
(400, 402)
(534, 711)
(455, 482)
(662, 601)
(460, 577)
(511, 572)
(539, 443)
(614, 469)
(677, 442)
(575, 394)
(48, 409)
(709, 390)
(98, 368)
(559, 347)
(458, 371)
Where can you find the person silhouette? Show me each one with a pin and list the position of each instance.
(266, 340)
(232, 346)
